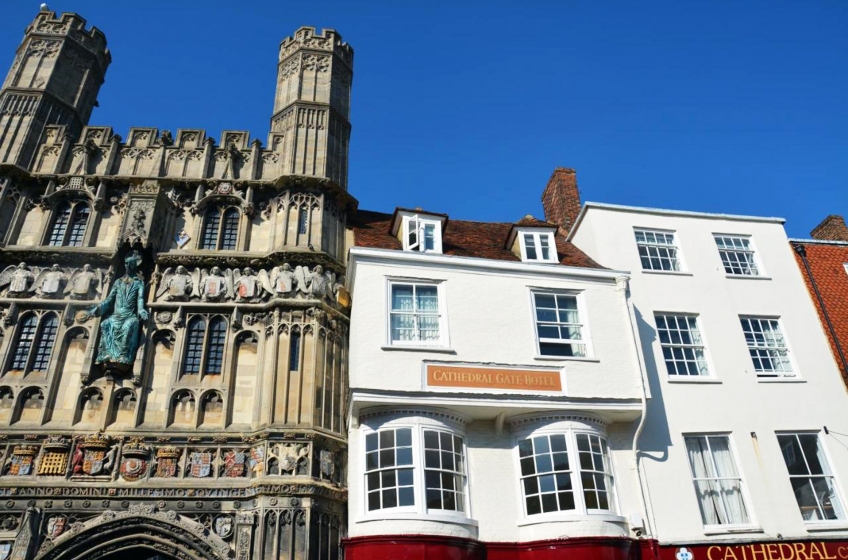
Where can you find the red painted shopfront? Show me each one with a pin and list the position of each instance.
(424, 547)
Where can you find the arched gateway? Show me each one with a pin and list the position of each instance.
(139, 534)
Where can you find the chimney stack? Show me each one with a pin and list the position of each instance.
(561, 198)
(832, 228)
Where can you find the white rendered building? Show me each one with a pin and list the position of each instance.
(744, 451)
(496, 387)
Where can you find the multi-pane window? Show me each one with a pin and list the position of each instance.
(682, 346)
(718, 484)
(767, 347)
(302, 220)
(595, 471)
(220, 229)
(422, 235)
(69, 224)
(388, 469)
(657, 250)
(811, 477)
(737, 255)
(557, 476)
(444, 479)
(558, 325)
(204, 352)
(34, 343)
(414, 316)
(538, 247)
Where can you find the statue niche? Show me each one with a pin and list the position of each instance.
(123, 311)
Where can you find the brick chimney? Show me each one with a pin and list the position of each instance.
(832, 228)
(561, 198)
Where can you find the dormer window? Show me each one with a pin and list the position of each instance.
(422, 234)
(538, 246)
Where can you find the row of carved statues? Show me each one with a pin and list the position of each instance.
(101, 456)
(176, 284)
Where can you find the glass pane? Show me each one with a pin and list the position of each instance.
(407, 496)
(404, 437)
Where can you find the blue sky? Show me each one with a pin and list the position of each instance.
(466, 107)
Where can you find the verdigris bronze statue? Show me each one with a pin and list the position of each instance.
(123, 310)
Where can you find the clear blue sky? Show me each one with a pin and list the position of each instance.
(466, 107)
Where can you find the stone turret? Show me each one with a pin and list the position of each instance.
(54, 80)
(310, 127)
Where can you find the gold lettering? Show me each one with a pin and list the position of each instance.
(814, 550)
(773, 551)
(710, 553)
(729, 554)
(842, 551)
(800, 551)
(823, 551)
(754, 551)
(783, 555)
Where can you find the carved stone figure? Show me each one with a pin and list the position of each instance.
(283, 279)
(84, 283)
(50, 282)
(315, 282)
(18, 279)
(124, 307)
(176, 285)
(214, 286)
(247, 286)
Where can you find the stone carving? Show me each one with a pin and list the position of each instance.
(316, 282)
(134, 460)
(213, 285)
(283, 280)
(200, 464)
(119, 332)
(54, 458)
(175, 285)
(56, 526)
(223, 526)
(256, 462)
(86, 283)
(22, 460)
(167, 462)
(328, 464)
(248, 286)
(98, 456)
(234, 463)
(18, 279)
(50, 282)
(293, 458)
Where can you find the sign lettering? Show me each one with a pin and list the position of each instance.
(443, 375)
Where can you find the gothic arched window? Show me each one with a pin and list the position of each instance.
(70, 220)
(204, 352)
(220, 229)
(34, 343)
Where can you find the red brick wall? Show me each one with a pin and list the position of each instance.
(832, 228)
(561, 198)
(827, 264)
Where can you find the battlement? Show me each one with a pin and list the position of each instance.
(328, 41)
(71, 25)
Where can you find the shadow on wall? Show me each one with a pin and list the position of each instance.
(655, 439)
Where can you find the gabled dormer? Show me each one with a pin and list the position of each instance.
(418, 230)
(533, 240)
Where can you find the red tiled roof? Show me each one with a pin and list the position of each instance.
(827, 264)
(463, 238)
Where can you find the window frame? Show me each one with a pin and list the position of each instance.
(221, 210)
(582, 314)
(771, 375)
(418, 225)
(418, 422)
(537, 236)
(74, 206)
(36, 343)
(444, 338)
(752, 249)
(681, 263)
(837, 487)
(205, 350)
(710, 375)
(746, 497)
(571, 427)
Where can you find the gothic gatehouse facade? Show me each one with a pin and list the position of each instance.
(174, 317)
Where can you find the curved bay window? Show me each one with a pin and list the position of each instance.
(204, 354)
(564, 467)
(70, 220)
(34, 343)
(220, 229)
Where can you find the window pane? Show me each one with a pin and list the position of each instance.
(229, 231)
(717, 484)
(78, 224)
(194, 346)
(209, 237)
(215, 348)
(44, 344)
(809, 475)
(60, 224)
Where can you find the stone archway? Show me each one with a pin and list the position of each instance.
(135, 533)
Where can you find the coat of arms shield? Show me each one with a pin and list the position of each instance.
(223, 526)
(56, 526)
(21, 465)
(92, 462)
(234, 464)
(133, 468)
(200, 464)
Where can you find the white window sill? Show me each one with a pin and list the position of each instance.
(708, 380)
(668, 272)
(747, 276)
(795, 379)
(835, 525)
(458, 519)
(570, 518)
(725, 529)
(409, 348)
(539, 261)
(566, 359)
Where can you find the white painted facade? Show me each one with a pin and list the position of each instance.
(487, 320)
(732, 399)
